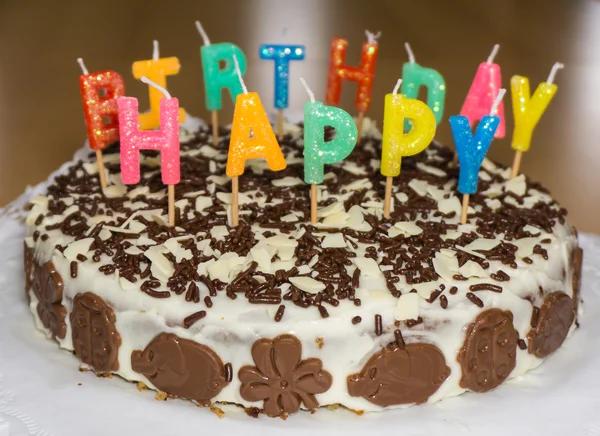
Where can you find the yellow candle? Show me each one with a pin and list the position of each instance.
(396, 143)
(156, 69)
(528, 110)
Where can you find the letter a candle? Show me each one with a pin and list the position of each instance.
(471, 150)
(395, 143)
(317, 151)
(165, 140)
(252, 137)
(483, 92)
(363, 74)
(157, 69)
(528, 110)
(215, 78)
(97, 108)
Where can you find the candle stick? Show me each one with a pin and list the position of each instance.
(483, 93)
(414, 76)
(362, 74)
(528, 111)
(156, 69)
(249, 117)
(101, 111)
(217, 78)
(318, 152)
(165, 140)
(282, 55)
(471, 149)
(395, 143)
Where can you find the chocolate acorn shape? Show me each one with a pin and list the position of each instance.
(552, 325)
(95, 337)
(400, 375)
(48, 288)
(181, 367)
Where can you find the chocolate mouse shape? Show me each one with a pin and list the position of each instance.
(181, 367)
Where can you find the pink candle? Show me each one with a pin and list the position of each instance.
(165, 140)
(484, 90)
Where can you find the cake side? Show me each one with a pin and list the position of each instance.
(339, 311)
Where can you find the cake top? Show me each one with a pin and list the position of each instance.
(275, 255)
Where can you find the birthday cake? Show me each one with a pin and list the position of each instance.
(278, 314)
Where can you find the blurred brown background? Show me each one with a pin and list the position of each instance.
(41, 121)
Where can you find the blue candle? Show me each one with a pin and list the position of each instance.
(282, 55)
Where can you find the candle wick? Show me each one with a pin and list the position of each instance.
(493, 54)
(202, 33)
(372, 37)
(156, 86)
(397, 87)
(155, 52)
(499, 98)
(239, 73)
(311, 95)
(557, 66)
(411, 55)
(82, 65)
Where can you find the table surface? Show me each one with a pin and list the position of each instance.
(41, 120)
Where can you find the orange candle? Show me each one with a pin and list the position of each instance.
(156, 69)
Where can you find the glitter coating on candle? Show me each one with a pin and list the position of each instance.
(471, 149)
(215, 78)
(282, 55)
(157, 71)
(318, 152)
(414, 76)
(395, 143)
(363, 74)
(165, 140)
(481, 96)
(250, 116)
(528, 110)
(101, 112)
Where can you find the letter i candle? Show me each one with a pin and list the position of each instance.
(165, 140)
(471, 149)
(363, 74)
(98, 108)
(216, 78)
(317, 151)
(252, 137)
(528, 110)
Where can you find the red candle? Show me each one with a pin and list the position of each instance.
(362, 75)
(99, 92)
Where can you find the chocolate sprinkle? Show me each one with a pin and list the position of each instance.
(73, 266)
(444, 302)
(474, 299)
(485, 287)
(378, 325)
(279, 313)
(356, 320)
(191, 320)
(399, 339)
(522, 344)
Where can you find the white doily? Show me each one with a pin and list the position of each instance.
(43, 393)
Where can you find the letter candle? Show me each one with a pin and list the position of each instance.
(414, 76)
(165, 140)
(216, 78)
(395, 143)
(282, 54)
(484, 90)
(157, 69)
(252, 136)
(98, 108)
(317, 151)
(528, 110)
(363, 74)
(471, 149)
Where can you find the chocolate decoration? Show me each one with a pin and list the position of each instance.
(576, 281)
(281, 379)
(489, 352)
(28, 265)
(181, 367)
(555, 319)
(396, 375)
(48, 288)
(95, 337)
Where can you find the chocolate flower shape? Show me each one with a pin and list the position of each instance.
(48, 288)
(281, 379)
